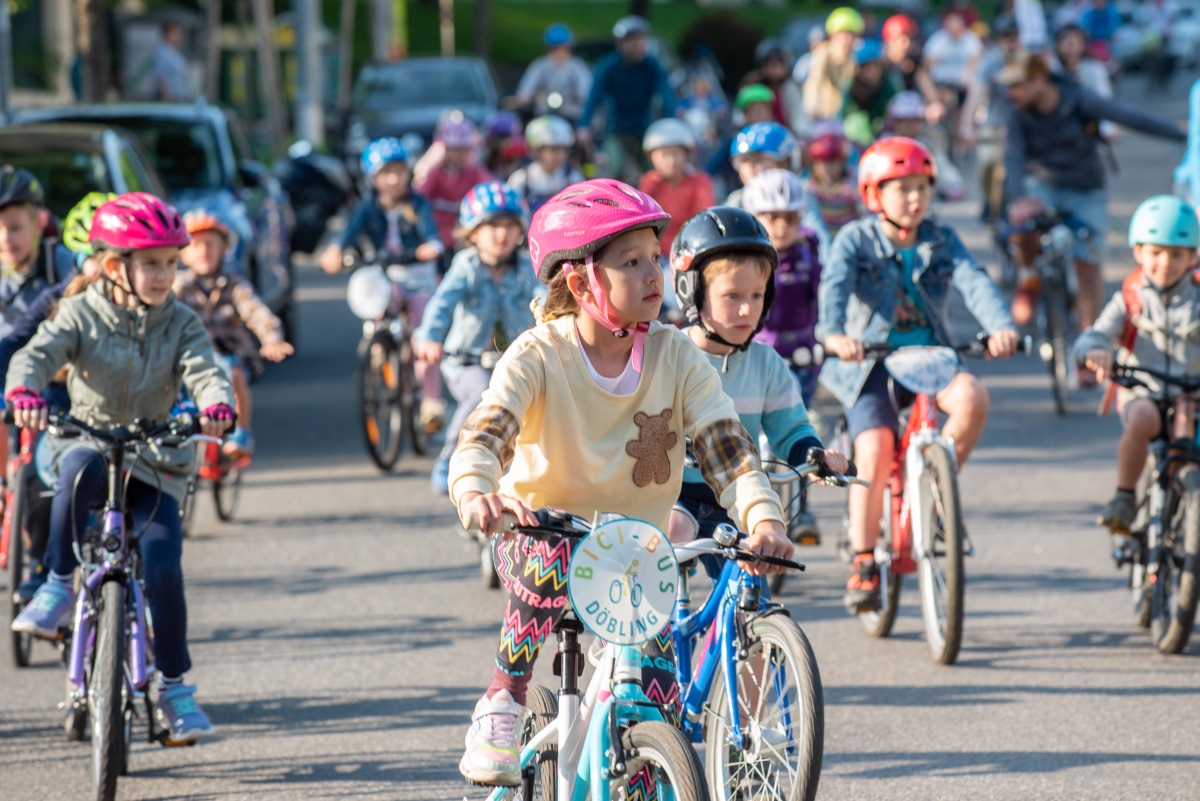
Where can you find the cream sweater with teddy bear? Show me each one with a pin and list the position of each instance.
(547, 434)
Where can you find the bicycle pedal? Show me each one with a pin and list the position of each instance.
(809, 539)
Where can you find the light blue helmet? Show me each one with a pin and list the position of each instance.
(488, 201)
(383, 151)
(770, 138)
(558, 35)
(1164, 220)
(868, 50)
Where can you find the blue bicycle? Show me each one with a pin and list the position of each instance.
(763, 721)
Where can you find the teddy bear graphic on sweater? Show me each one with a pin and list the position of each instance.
(655, 439)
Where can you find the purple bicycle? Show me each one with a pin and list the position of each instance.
(111, 648)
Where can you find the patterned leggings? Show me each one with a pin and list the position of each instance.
(535, 573)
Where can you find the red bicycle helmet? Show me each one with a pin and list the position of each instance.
(829, 147)
(900, 25)
(888, 159)
(136, 221)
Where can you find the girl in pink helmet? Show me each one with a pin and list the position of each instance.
(128, 344)
(447, 172)
(587, 412)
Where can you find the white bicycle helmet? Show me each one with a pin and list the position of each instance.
(906, 106)
(549, 131)
(665, 133)
(774, 191)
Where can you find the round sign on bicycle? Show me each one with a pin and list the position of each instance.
(622, 581)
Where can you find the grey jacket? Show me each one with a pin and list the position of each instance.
(862, 281)
(124, 364)
(1168, 337)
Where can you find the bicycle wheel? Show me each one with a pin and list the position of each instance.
(1057, 338)
(661, 764)
(188, 510)
(22, 644)
(379, 383)
(487, 567)
(783, 717)
(106, 692)
(878, 624)
(227, 490)
(1175, 591)
(541, 710)
(940, 564)
(410, 401)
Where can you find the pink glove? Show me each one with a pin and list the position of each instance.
(25, 399)
(220, 413)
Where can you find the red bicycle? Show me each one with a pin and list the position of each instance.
(220, 471)
(14, 541)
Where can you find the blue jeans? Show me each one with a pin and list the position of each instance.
(83, 485)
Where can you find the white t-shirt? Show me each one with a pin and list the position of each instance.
(624, 384)
(950, 59)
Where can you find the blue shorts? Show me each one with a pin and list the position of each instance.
(879, 404)
(1089, 207)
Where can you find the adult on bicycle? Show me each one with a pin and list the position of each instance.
(129, 344)
(557, 83)
(1052, 161)
(904, 56)
(952, 56)
(888, 278)
(628, 83)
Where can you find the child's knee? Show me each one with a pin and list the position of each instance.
(683, 526)
(1142, 420)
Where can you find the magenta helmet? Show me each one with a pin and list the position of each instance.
(585, 217)
(455, 130)
(136, 221)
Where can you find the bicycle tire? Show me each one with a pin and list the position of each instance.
(878, 624)
(1055, 298)
(381, 415)
(227, 490)
(106, 691)
(1172, 625)
(799, 780)
(941, 587)
(487, 567)
(659, 752)
(22, 644)
(541, 710)
(75, 721)
(187, 512)
(410, 401)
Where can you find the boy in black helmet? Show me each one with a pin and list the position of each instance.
(27, 263)
(724, 269)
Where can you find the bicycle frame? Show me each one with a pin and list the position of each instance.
(908, 536)
(587, 730)
(21, 450)
(734, 588)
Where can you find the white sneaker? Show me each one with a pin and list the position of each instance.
(493, 756)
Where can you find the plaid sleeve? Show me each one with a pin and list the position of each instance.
(493, 428)
(724, 452)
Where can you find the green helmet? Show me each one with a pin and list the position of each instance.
(844, 19)
(1164, 220)
(78, 223)
(754, 93)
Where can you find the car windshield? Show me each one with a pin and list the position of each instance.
(420, 85)
(184, 150)
(66, 175)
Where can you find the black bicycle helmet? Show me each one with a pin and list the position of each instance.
(19, 186)
(721, 229)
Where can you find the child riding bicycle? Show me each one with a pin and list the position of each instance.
(481, 305)
(129, 346)
(231, 310)
(588, 412)
(1154, 320)
(724, 266)
(888, 279)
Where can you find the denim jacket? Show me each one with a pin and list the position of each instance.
(468, 306)
(862, 281)
(370, 220)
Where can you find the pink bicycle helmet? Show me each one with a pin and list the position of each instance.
(136, 221)
(579, 221)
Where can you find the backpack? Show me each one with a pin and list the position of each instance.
(1131, 293)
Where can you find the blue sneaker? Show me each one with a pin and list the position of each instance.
(48, 611)
(178, 713)
(440, 477)
(32, 583)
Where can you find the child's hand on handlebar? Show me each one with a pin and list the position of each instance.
(331, 260)
(1002, 344)
(29, 409)
(427, 252)
(845, 348)
(836, 461)
(1099, 361)
(768, 539)
(428, 352)
(276, 351)
(486, 510)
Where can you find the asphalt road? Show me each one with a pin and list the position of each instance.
(341, 636)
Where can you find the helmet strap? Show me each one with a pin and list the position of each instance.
(901, 231)
(601, 312)
(713, 336)
(127, 287)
